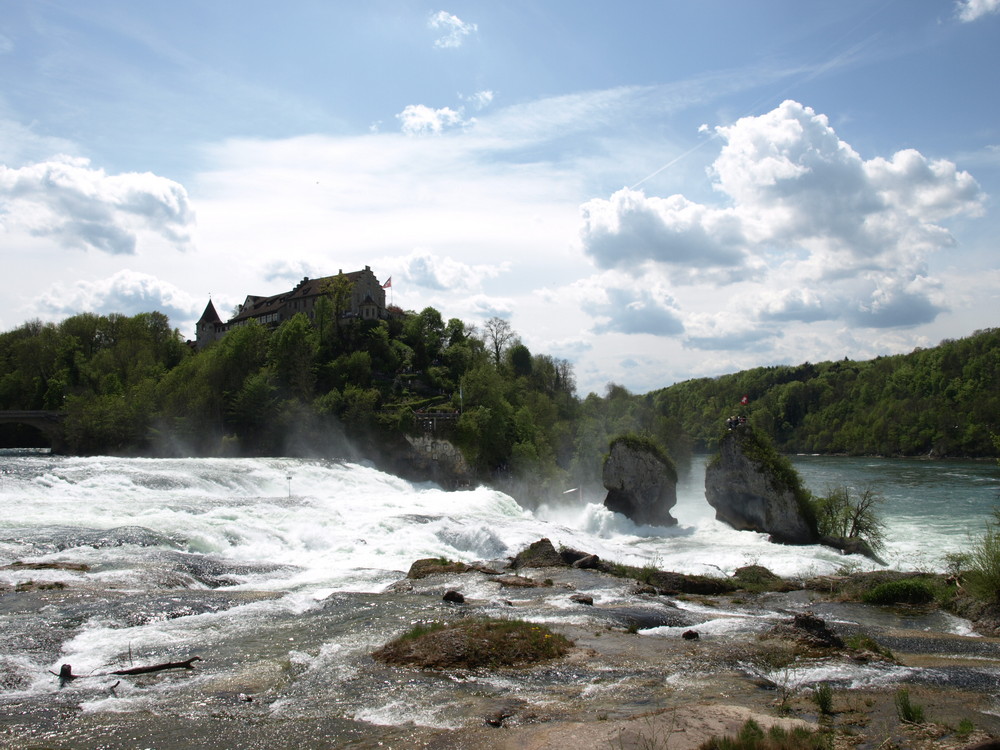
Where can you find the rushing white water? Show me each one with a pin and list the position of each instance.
(273, 569)
(334, 526)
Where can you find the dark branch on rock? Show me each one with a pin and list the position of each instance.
(66, 670)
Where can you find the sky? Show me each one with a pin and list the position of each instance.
(652, 190)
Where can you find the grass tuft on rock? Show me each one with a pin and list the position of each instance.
(473, 643)
(752, 737)
(906, 591)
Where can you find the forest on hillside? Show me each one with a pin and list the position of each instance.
(941, 401)
(130, 384)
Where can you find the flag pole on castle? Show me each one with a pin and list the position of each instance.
(388, 285)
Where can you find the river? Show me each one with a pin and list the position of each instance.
(272, 568)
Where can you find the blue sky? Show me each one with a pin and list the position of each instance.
(652, 190)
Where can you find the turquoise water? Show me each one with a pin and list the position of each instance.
(930, 508)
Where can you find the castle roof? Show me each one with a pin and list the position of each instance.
(210, 315)
(255, 306)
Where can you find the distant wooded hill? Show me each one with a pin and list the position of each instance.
(943, 401)
(356, 387)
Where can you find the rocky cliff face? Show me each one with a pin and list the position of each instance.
(749, 493)
(641, 484)
(440, 461)
(422, 459)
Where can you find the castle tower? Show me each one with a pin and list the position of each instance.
(208, 326)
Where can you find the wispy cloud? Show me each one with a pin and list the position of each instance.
(973, 10)
(481, 99)
(454, 29)
(419, 119)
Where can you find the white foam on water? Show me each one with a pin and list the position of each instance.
(336, 526)
(399, 712)
(310, 529)
(854, 677)
(717, 626)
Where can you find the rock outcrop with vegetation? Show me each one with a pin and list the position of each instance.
(641, 481)
(753, 488)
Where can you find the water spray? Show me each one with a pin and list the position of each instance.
(575, 489)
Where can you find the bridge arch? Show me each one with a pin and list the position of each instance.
(48, 423)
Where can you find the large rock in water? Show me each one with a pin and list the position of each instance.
(641, 482)
(752, 490)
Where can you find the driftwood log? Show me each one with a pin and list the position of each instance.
(188, 664)
(66, 670)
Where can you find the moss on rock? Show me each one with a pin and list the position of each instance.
(473, 643)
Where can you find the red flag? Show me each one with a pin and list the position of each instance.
(745, 400)
(388, 283)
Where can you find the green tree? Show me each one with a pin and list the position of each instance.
(291, 356)
(520, 360)
(424, 334)
(848, 513)
(498, 335)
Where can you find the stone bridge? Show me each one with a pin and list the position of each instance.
(49, 423)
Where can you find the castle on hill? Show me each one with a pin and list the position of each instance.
(367, 302)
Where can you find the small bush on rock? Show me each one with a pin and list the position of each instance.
(752, 737)
(851, 514)
(472, 643)
(983, 577)
(906, 591)
(908, 711)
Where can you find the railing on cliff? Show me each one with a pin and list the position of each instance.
(435, 421)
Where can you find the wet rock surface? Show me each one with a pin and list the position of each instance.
(303, 675)
(749, 494)
(641, 483)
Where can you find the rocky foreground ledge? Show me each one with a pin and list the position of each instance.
(690, 677)
(554, 648)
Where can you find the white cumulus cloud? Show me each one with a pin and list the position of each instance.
(631, 228)
(78, 206)
(127, 292)
(619, 305)
(826, 233)
(424, 268)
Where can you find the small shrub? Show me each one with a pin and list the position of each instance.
(912, 713)
(823, 697)
(750, 733)
(421, 629)
(906, 591)
(756, 576)
(965, 728)
(848, 513)
(861, 642)
(957, 563)
(472, 643)
(752, 737)
(983, 578)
